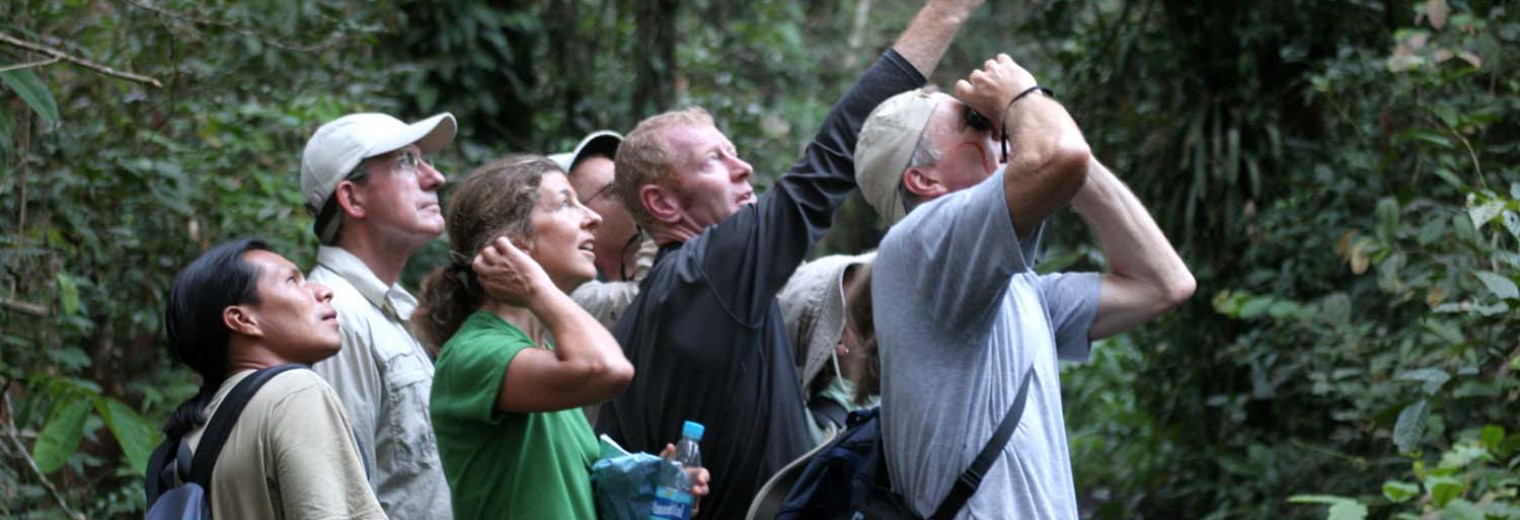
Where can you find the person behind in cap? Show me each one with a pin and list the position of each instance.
(290, 455)
(705, 333)
(516, 355)
(961, 316)
(367, 180)
(622, 256)
(815, 305)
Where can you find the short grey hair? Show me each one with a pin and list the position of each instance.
(925, 154)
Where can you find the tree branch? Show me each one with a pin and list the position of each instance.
(272, 42)
(60, 55)
(10, 432)
(30, 64)
(26, 307)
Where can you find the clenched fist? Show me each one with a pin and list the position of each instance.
(990, 89)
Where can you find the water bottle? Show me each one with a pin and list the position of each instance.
(672, 496)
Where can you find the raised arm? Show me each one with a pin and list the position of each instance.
(586, 365)
(927, 37)
(1049, 156)
(1146, 276)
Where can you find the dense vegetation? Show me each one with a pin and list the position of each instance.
(1341, 175)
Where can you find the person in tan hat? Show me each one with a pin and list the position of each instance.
(814, 304)
(960, 314)
(705, 333)
(374, 196)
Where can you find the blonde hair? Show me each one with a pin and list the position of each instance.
(645, 157)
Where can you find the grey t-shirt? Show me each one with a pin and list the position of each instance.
(960, 317)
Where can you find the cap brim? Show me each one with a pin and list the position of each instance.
(604, 141)
(430, 135)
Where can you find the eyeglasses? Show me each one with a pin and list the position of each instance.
(605, 191)
(409, 162)
(976, 121)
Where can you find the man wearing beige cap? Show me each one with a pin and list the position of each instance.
(620, 259)
(961, 316)
(374, 196)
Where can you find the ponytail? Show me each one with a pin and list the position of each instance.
(448, 296)
(191, 414)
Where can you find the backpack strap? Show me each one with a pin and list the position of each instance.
(222, 422)
(966, 484)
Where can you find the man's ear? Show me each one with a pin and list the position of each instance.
(662, 204)
(241, 321)
(350, 199)
(923, 183)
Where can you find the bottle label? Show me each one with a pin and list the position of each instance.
(670, 504)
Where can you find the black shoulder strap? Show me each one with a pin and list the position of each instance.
(966, 484)
(226, 416)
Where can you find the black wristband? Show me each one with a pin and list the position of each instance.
(1004, 129)
(1048, 93)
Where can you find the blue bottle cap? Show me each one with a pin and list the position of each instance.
(693, 430)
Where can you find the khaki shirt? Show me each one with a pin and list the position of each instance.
(290, 455)
(385, 378)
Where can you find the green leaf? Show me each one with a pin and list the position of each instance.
(1491, 436)
(1463, 510)
(1444, 489)
(1341, 508)
(1462, 454)
(1255, 307)
(1500, 285)
(34, 92)
(60, 437)
(1399, 491)
(1348, 511)
(135, 435)
(1482, 213)
(1445, 331)
(68, 294)
(1409, 430)
(1433, 378)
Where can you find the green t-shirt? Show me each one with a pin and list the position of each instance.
(505, 465)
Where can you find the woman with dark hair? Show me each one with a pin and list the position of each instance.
(291, 455)
(517, 358)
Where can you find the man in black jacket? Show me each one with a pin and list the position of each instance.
(705, 334)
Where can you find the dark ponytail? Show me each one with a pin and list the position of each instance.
(496, 199)
(197, 336)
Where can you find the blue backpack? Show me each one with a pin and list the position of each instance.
(191, 500)
(848, 479)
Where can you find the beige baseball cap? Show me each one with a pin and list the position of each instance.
(340, 145)
(886, 144)
(600, 142)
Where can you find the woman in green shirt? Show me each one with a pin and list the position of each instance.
(518, 358)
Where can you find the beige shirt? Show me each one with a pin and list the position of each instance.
(290, 456)
(385, 379)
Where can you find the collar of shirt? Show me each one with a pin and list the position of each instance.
(394, 299)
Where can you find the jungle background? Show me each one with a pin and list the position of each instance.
(1341, 175)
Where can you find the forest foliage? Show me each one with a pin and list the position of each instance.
(1340, 175)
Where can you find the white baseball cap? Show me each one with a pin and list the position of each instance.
(886, 144)
(600, 142)
(336, 150)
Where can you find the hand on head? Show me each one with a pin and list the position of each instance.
(510, 275)
(990, 89)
